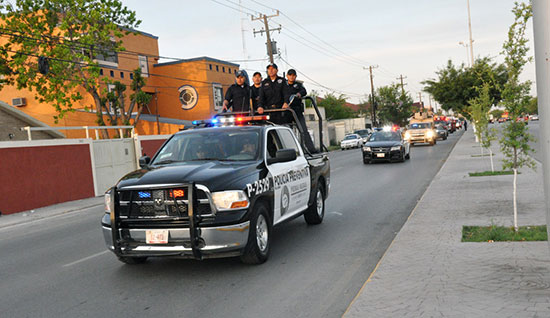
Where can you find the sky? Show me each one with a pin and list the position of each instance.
(331, 44)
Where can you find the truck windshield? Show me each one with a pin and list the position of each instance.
(220, 145)
(420, 125)
(385, 136)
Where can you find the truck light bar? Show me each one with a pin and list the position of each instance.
(230, 121)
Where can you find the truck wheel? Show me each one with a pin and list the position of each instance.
(132, 260)
(316, 212)
(259, 237)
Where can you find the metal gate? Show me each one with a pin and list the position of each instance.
(113, 158)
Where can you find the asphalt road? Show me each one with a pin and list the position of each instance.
(59, 267)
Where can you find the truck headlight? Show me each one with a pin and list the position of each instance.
(407, 135)
(230, 200)
(108, 201)
(429, 134)
(395, 148)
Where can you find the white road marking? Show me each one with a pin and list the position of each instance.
(337, 213)
(85, 258)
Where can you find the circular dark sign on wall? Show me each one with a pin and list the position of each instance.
(188, 96)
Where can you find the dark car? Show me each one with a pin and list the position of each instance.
(215, 192)
(384, 145)
(364, 133)
(441, 132)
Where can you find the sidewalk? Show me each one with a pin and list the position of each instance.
(49, 211)
(428, 272)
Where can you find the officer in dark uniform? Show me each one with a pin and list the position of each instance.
(273, 95)
(237, 96)
(297, 89)
(255, 90)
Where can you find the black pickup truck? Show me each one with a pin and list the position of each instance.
(216, 192)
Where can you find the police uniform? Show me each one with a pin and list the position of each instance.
(298, 107)
(255, 94)
(238, 97)
(273, 94)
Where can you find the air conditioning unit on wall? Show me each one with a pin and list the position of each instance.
(21, 101)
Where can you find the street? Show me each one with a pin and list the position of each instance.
(59, 267)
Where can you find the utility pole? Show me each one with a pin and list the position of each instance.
(402, 85)
(471, 40)
(421, 105)
(373, 105)
(267, 31)
(157, 110)
(541, 18)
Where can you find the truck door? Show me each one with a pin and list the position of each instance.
(291, 180)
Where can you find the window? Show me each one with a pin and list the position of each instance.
(143, 65)
(218, 96)
(217, 68)
(131, 75)
(273, 144)
(210, 66)
(288, 140)
(223, 69)
(229, 70)
(112, 73)
(121, 74)
(101, 72)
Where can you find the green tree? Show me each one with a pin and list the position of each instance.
(532, 107)
(497, 113)
(455, 86)
(335, 107)
(515, 98)
(69, 36)
(394, 106)
(479, 110)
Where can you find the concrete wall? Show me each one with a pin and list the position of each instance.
(313, 125)
(341, 127)
(11, 125)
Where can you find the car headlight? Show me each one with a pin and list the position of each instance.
(407, 135)
(395, 148)
(108, 201)
(367, 149)
(230, 200)
(429, 134)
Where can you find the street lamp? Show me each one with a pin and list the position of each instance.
(467, 55)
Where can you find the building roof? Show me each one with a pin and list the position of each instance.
(202, 58)
(31, 121)
(141, 32)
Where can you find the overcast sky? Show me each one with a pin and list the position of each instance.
(413, 38)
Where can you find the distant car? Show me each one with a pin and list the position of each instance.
(364, 133)
(386, 145)
(502, 119)
(351, 141)
(450, 126)
(441, 132)
(534, 117)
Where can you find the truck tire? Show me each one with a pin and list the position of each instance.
(132, 260)
(316, 212)
(259, 236)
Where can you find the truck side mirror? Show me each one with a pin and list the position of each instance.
(283, 155)
(144, 161)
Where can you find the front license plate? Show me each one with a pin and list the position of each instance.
(156, 236)
(380, 155)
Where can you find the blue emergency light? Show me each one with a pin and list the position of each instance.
(144, 195)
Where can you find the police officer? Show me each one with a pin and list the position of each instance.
(273, 95)
(255, 90)
(297, 89)
(237, 96)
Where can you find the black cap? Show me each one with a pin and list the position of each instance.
(256, 73)
(291, 72)
(271, 65)
(240, 73)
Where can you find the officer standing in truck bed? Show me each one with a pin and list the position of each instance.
(273, 95)
(237, 96)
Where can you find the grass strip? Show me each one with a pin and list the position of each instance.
(332, 148)
(496, 233)
(492, 173)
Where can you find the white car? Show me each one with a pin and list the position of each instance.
(351, 141)
(534, 117)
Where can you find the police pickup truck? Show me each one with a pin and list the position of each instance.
(216, 191)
